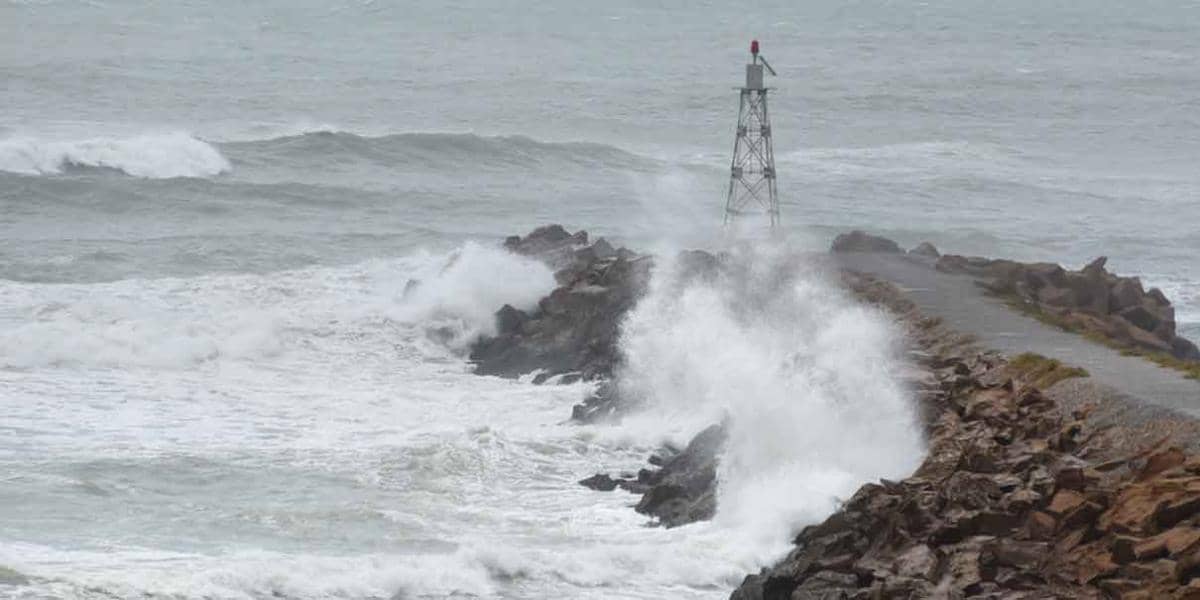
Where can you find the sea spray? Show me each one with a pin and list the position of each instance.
(803, 376)
(182, 323)
(457, 295)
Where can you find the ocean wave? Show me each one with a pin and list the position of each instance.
(151, 156)
(457, 150)
(432, 304)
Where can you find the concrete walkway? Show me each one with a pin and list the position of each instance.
(962, 305)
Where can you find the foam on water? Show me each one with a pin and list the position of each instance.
(803, 376)
(315, 434)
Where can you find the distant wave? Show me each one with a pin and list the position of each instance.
(152, 156)
(457, 149)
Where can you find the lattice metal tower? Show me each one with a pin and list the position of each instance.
(752, 174)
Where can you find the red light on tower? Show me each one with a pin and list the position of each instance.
(754, 47)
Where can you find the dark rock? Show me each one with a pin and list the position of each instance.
(600, 482)
(1140, 317)
(1096, 267)
(684, 490)
(750, 589)
(1040, 275)
(858, 241)
(603, 250)
(575, 329)
(1158, 297)
(952, 263)
(509, 319)
(1056, 296)
(1184, 349)
(1091, 290)
(925, 249)
(1126, 292)
(551, 243)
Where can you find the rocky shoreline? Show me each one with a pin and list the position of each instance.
(1019, 495)
(573, 335)
(1016, 498)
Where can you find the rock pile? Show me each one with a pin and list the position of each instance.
(860, 241)
(683, 490)
(573, 332)
(1014, 500)
(1090, 300)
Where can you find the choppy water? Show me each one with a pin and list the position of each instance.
(213, 386)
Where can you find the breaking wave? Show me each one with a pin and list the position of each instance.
(807, 380)
(152, 156)
(445, 300)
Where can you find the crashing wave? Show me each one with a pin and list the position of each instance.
(151, 156)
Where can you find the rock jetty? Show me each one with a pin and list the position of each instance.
(573, 336)
(1019, 495)
(1016, 498)
(1090, 300)
(573, 332)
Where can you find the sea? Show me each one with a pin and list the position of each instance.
(215, 386)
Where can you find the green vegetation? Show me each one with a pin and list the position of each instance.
(1041, 371)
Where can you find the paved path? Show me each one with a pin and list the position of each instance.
(963, 306)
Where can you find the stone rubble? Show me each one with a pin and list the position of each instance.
(1090, 300)
(1015, 499)
(573, 333)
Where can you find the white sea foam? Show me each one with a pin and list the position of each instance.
(803, 376)
(339, 375)
(152, 156)
(460, 292)
(174, 323)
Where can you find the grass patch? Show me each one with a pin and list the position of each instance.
(1189, 368)
(1041, 371)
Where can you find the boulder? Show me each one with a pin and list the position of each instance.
(684, 489)
(1055, 296)
(859, 241)
(509, 319)
(1158, 297)
(926, 249)
(575, 329)
(1127, 292)
(1091, 289)
(603, 250)
(951, 263)
(551, 243)
(1039, 275)
(600, 482)
(1184, 349)
(1096, 267)
(1140, 317)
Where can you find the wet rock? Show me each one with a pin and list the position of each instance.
(1127, 293)
(684, 489)
(509, 320)
(926, 249)
(859, 241)
(1140, 317)
(575, 329)
(1184, 349)
(1007, 504)
(600, 482)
